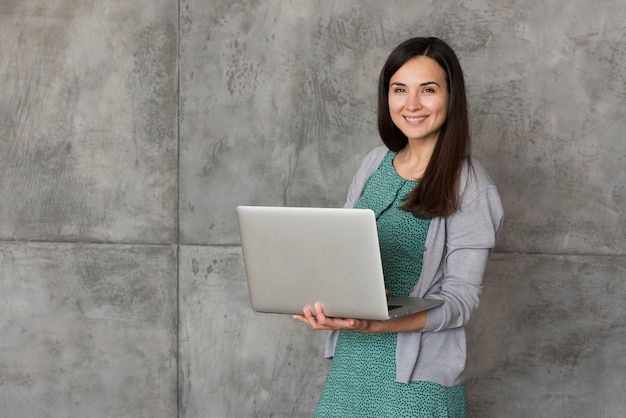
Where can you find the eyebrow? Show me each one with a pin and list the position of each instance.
(426, 83)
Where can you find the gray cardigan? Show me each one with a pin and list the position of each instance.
(456, 252)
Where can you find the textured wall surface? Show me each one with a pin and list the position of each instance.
(89, 106)
(88, 204)
(129, 131)
(235, 362)
(87, 330)
(548, 338)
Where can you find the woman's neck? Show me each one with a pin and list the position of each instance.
(411, 161)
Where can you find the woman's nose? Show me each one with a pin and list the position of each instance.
(413, 102)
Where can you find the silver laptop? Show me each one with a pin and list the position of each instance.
(295, 257)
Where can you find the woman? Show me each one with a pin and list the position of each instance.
(437, 214)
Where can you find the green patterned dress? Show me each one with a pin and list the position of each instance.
(361, 381)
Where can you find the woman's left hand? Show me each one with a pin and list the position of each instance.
(318, 320)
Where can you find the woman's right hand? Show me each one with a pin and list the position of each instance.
(319, 321)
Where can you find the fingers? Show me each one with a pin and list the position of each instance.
(318, 320)
(307, 317)
(319, 313)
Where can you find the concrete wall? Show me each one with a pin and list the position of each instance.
(129, 131)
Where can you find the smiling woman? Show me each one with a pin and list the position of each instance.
(418, 101)
(437, 215)
(434, 159)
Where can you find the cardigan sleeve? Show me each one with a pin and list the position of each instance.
(470, 236)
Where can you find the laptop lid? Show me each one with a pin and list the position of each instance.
(295, 257)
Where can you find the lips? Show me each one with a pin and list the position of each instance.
(415, 120)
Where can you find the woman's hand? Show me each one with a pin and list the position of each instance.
(320, 321)
(317, 320)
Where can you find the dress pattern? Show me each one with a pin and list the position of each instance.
(361, 381)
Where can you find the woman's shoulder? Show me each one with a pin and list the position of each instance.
(369, 165)
(372, 160)
(474, 175)
(376, 155)
(475, 181)
(480, 207)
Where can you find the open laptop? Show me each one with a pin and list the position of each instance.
(295, 257)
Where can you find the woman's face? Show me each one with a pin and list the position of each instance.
(418, 99)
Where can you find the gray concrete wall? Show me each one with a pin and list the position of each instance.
(129, 131)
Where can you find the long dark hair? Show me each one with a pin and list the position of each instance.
(437, 192)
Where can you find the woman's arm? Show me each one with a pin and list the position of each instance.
(470, 236)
